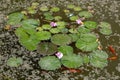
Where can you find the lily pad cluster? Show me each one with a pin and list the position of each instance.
(52, 29)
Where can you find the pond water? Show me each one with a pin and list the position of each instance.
(105, 10)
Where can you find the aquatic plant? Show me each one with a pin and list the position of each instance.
(56, 32)
(49, 63)
(14, 62)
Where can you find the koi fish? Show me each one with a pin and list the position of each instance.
(71, 70)
(112, 50)
(113, 58)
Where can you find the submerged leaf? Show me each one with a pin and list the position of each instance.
(61, 39)
(85, 14)
(49, 63)
(14, 62)
(72, 61)
(46, 48)
(15, 18)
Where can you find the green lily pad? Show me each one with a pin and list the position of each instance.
(44, 8)
(85, 14)
(61, 23)
(55, 9)
(66, 50)
(72, 30)
(104, 25)
(57, 18)
(87, 42)
(15, 18)
(86, 59)
(43, 35)
(54, 30)
(105, 31)
(90, 24)
(46, 26)
(98, 58)
(49, 63)
(77, 8)
(14, 62)
(61, 39)
(30, 23)
(64, 30)
(70, 6)
(74, 37)
(72, 61)
(46, 48)
(48, 16)
(83, 30)
(74, 18)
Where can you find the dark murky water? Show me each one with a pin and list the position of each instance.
(104, 11)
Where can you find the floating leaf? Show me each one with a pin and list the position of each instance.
(57, 18)
(43, 35)
(48, 16)
(70, 6)
(85, 14)
(105, 31)
(46, 26)
(46, 48)
(72, 30)
(74, 18)
(72, 61)
(90, 24)
(30, 23)
(14, 62)
(104, 25)
(74, 37)
(83, 30)
(66, 50)
(44, 8)
(98, 59)
(61, 23)
(61, 39)
(29, 43)
(87, 42)
(49, 63)
(77, 8)
(15, 18)
(64, 30)
(55, 9)
(54, 30)
(86, 59)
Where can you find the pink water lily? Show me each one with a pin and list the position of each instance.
(79, 21)
(59, 55)
(53, 24)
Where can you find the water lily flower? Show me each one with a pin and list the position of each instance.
(59, 55)
(53, 24)
(79, 21)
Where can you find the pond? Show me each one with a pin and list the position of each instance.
(105, 10)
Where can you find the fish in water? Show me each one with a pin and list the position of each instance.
(112, 50)
(113, 58)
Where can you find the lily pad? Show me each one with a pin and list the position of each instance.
(44, 8)
(104, 25)
(64, 30)
(105, 31)
(49, 63)
(61, 39)
(46, 48)
(70, 6)
(90, 24)
(43, 35)
(72, 61)
(85, 14)
(74, 37)
(87, 42)
(14, 62)
(46, 26)
(15, 18)
(98, 59)
(57, 18)
(73, 30)
(74, 18)
(83, 30)
(55, 9)
(66, 50)
(54, 30)
(30, 23)
(77, 8)
(86, 59)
